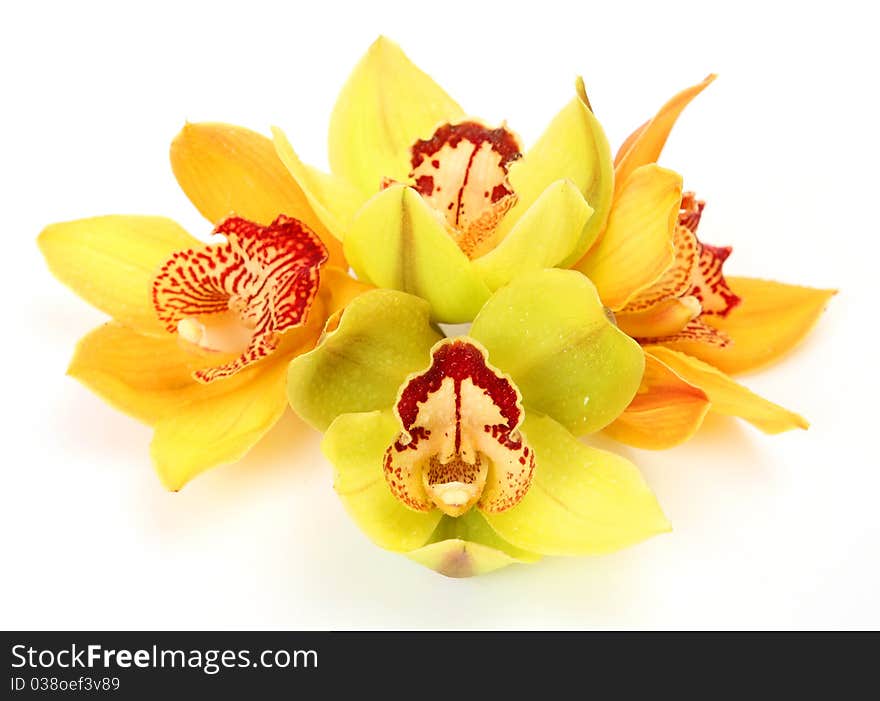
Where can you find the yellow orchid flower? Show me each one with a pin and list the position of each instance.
(429, 201)
(202, 334)
(667, 290)
(462, 453)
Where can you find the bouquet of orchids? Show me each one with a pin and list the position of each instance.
(592, 305)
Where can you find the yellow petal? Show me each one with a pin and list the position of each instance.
(771, 319)
(542, 238)
(551, 335)
(333, 199)
(386, 105)
(144, 376)
(459, 558)
(467, 546)
(573, 147)
(225, 169)
(666, 410)
(729, 397)
(398, 242)
(110, 262)
(636, 247)
(582, 501)
(218, 429)
(355, 444)
(645, 145)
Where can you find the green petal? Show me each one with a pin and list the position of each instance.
(386, 105)
(582, 501)
(573, 147)
(549, 332)
(383, 336)
(467, 546)
(398, 242)
(355, 444)
(542, 238)
(334, 200)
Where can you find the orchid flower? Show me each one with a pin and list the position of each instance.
(430, 201)
(667, 289)
(201, 334)
(461, 452)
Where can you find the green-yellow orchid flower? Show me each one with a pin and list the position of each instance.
(462, 452)
(201, 334)
(429, 201)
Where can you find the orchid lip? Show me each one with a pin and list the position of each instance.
(461, 171)
(460, 445)
(240, 296)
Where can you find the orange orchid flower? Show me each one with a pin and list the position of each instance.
(667, 290)
(202, 334)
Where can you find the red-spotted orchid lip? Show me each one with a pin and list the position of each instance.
(461, 171)
(460, 443)
(238, 297)
(707, 280)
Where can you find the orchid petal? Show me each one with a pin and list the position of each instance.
(467, 546)
(666, 411)
(145, 376)
(398, 242)
(334, 200)
(219, 428)
(355, 444)
(583, 501)
(386, 105)
(549, 332)
(771, 319)
(666, 318)
(542, 238)
(382, 336)
(111, 262)
(573, 147)
(646, 143)
(227, 170)
(636, 248)
(729, 397)
(338, 289)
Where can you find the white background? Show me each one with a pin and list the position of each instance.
(769, 531)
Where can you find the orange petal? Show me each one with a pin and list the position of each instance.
(145, 376)
(645, 145)
(676, 281)
(664, 319)
(628, 142)
(771, 320)
(636, 248)
(696, 332)
(338, 288)
(666, 411)
(729, 397)
(225, 170)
